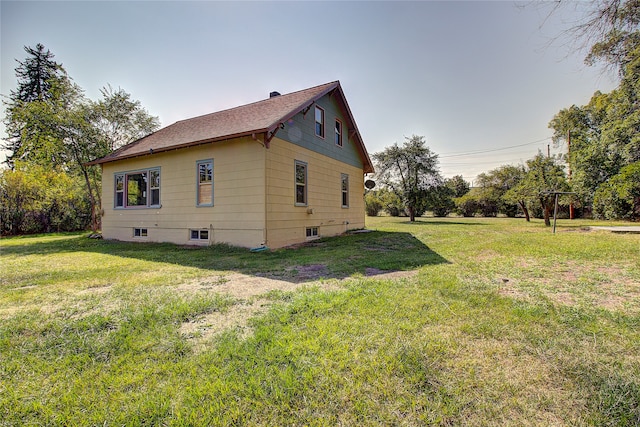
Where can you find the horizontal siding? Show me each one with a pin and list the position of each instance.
(300, 130)
(237, 216)
(244, 238)
(287, 222)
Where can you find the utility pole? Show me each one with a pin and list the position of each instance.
(571, 210)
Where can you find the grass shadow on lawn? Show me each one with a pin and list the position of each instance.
(334, 257)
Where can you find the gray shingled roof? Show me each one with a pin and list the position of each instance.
(258, 117)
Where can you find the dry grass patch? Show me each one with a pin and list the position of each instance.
(251, 296)
(576, 283)
(491, 369)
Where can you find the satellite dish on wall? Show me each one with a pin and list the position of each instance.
(369, 184)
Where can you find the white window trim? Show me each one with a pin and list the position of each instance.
(199, 231)
(143, 232)
(312, 236)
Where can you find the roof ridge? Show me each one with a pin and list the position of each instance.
(262, 116)
(256, 102)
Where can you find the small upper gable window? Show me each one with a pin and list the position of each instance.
(338, 133)
(319, 122)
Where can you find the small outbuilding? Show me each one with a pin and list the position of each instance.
(276, 172)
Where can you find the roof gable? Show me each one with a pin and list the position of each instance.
(264, 116)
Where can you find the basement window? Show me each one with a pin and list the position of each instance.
(139, 232)
(312, 232)
(199, 234)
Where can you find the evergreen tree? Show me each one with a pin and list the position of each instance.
(35, 111)
(37, 75)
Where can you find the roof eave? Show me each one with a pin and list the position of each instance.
(300, 107)
(109, 159)
(367, 164)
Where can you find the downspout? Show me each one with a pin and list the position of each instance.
(265, 236)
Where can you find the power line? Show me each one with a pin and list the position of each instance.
(478, 160)
(495, 149)
(489, 162)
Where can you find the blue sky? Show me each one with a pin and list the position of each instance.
(471, 77)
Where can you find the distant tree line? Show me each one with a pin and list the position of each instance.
(410, 184)
(599, 176)
(53, 130)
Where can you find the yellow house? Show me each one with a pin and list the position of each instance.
(272, 173)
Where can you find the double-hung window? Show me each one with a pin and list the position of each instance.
(119, 199)
(154, 187)
(344, 178)
(319, 122)
(205, 183)
(338, 137)
(137, 189)
(301, 183)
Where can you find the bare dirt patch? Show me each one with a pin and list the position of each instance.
(249, 291)
(388, 275)
(237, 317)
(309, 272)
(244, 286)
(96, 289)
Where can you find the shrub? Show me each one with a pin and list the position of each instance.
(41, 200)
(391, 202)
(372, 203)
(467, 205)
(619, 197)
(440, 200)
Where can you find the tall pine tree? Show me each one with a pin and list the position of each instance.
(35, 110)
(37, 75)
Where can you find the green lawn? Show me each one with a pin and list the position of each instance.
(504, 323)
